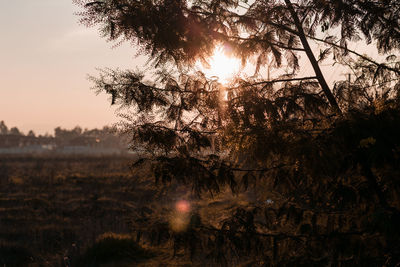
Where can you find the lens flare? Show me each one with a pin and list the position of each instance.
(180, 217)
(182, 206)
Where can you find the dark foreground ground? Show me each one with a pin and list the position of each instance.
(53, 209)
(81, 211)
(84, 211)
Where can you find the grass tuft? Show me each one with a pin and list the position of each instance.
(114, 248)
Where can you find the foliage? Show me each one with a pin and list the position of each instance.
(320, 164)
(112, 248)
(13, 139)
(4, 130)
(106, 137)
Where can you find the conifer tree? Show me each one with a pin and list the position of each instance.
(321, 162)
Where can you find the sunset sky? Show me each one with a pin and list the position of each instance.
(45, 57)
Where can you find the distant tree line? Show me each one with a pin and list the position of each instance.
(107, 136)
(14, 130)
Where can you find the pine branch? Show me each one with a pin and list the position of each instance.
(279, 44)
(380, 65)
(260, 170)
(298, 237)
(274, 81)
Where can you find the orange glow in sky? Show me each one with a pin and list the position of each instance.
(43, 69)
(45, 57)
(222, 65)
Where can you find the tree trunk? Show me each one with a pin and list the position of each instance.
(313, 61)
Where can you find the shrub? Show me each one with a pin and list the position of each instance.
(111, 248)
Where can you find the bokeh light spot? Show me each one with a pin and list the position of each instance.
(182, 206)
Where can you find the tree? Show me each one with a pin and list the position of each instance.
(15, 131)
(3, 128)
(31, 134)
(320, 161)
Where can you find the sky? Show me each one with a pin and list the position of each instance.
(45, 57)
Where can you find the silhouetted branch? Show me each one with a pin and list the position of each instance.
(380, 65)
(275, 81)
(260, 170)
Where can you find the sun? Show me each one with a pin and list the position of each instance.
(222, 65)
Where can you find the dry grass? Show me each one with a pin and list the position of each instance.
(52, 209)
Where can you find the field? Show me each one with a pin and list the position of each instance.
(95, 211)
(53, 208)
(81, 211)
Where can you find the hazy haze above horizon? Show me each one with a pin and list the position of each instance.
(45, 57)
